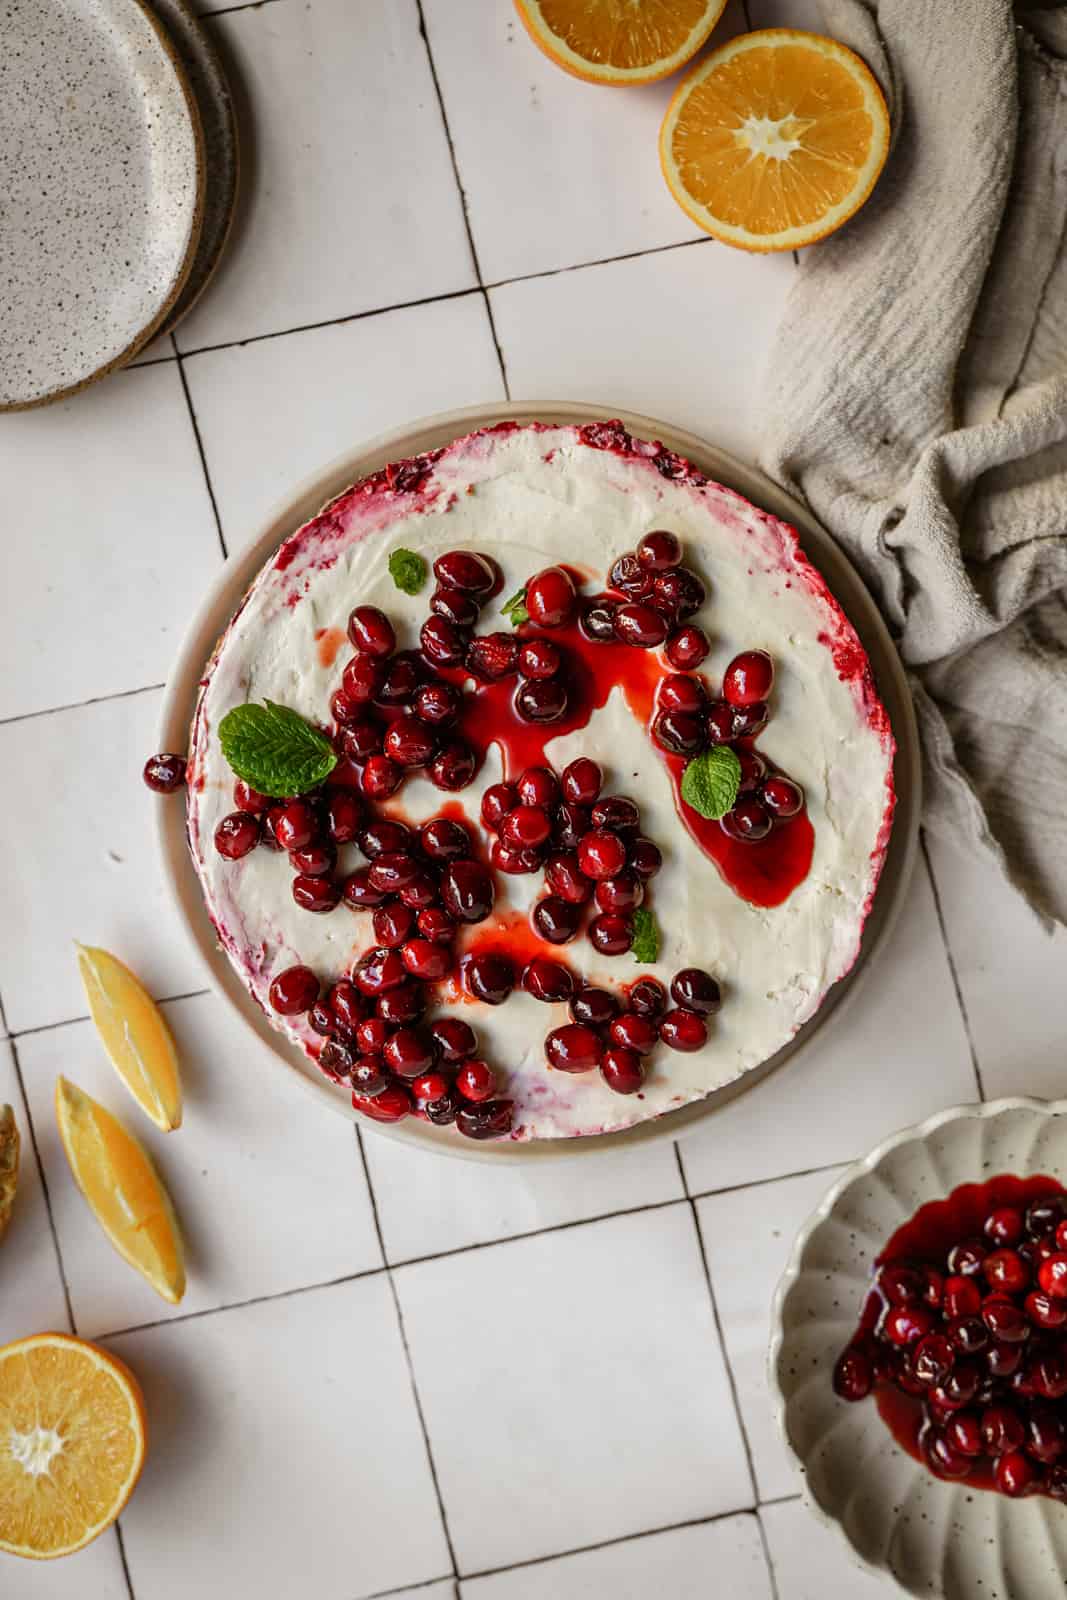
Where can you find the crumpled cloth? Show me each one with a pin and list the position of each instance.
(917, 400)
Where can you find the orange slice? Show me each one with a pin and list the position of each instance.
(619, 41)
(72, 1423)
(122, 1189)
(775, 139)
(9, 1165)
(134, 1034)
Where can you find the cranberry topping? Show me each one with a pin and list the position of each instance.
(631, 576)
(315, 860)
(347, 1004)
(783, 798)
(493, 656)
(853, 1374)
(358, 891)
(621, 894)
(435, 924)
(467, 891)
(316, 894)
(441, 642)
(476, 1081)
(571, 823)
(465, 570)
(622, 1069)
(598, 620)
(639, 625)
(696, 990)
(336, 1059)
(444, 840)
(425, 960)
(645, 858)
(634, 1032)
(453, 1039)
(245, 798)
(574, 1048)
(648, 998)
(565, 878)
(362, 679)
(541, 699)
(489, 1120)
(581, 782)
(526, 828)
(454, 766)
(436, 704)
(683, 1030)
(539, 658)
(547, 980)
(601, 854)
(237, 834)
(497, 801)
(371, 632)
(407, 1053)
(381, 777)
(748, 678)
(687, 648)
(389, 1105)
(537, 786)
(456, 607)
(750, 720)
(680, 732)
(679, 692)
(659, 550)
(378, 970)
(341, 815)
(596, 1008)
(488, 976)
(293, 991)
(409, 742)
(555, 919)
(749, 819)
(611, 934)
(678, 594)
(403, 675)
(165, 773)
(551, 598)
(719, 722)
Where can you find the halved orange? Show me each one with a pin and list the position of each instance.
(72, 1422)
(9, 1165)
(619, 41)
(134, 1034)
(775, 139)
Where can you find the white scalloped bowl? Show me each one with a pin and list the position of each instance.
(937, 1539)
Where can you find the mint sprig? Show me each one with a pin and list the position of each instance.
(275, 750)
(645, 945)
(711, 780)
(515, 608)
(407, 570)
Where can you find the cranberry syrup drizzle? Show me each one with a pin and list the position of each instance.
(927, 1238)
(764, 872)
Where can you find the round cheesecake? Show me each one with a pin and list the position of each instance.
(775, 920)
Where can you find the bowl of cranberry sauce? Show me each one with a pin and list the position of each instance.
(919, 1355)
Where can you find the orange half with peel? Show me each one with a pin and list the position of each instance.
(619, 41)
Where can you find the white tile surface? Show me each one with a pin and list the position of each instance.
(812, 1563)
(896, 1052)
(345, 383)
(95, 1573)
(573, 1388)
(426, 1206)
(571, 170)
(106, 562)
(31, 1287)
(286, 1454)
(270, 1194)
(748, 1235)
(349, 177)
(682, 335)
(717, 1558)
(1010, 973)
(446, 1590)
(91, 871)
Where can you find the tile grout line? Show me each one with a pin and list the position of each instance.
(414, 1588)
(44, 1185)
(200, 447)
(71, 1022)
(772, 1572)
(975, 1068)
(424, 32)
(415, 1395)
(717, 1319)
(80, 705)
(122, 1558)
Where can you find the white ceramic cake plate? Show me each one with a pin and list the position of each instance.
(225, 595)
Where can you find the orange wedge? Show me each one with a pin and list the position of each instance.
(9, 1165)
(72, 1420)
(619, 41)
(134, 1035)
(122, 1189)
(775, 139)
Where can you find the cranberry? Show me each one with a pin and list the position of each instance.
(1006, 1270)
(381, 777)
(406, 1003)
(403, 675)
(465, 570)
(551, 598)
(383, 837)
(1002, 1430)
(906, 1325)
(371, 1035)
(540, 658)
(295, 825)
(749, 820)
(293, 991)
(853, 1375)
(1014, 1474)
(315, 860)
(476, 1080)
(368, 1075)
(444, 840)
(488, 976)
(1003, 1359)
(648, 998)
(316, 894)
(456, 607)
(581, 782)
(615, 811)
(570, 824)
(427, 961)
(1046, 1436)
(601, 854)
(573, 1048)
(622, 1070)
(516, 862)
(497, 801)
(537, 786)
(454, 766)
(933, 1285)
(750, 720)
(442, 643)
(421, 892)
(633, 1032)
(347, 1004)
(962, 1383)
(621, 894)
(683, 1030)
(453, 1039)
(679, 692)
(362, 740)
(646, 858)
(1006, 1321)
(901, 1285)
(597, 621)
(966, 1258)
(541, 699)
(407, 1053)
(1044, 1311)
(245, 798)
(1061, 1230)
(1044, 1215)
(493, 656)
(237, 834)
(678, 594)
(687, 648)
(267, 838)
(659, 550)
(392, 871)
(336, 1059)
(379, 970)
(435, 924)
(371, 632)
(596, 1008)
(1048, 1375)
(526, 828)
(547, 980)
(748, 678)
(321, 1019)
(719, 723)
(934, 1359)
(166, 772)
(390, 1105)
(341, 815)
(1052, 1275)
(555, 919)
(564, 877)
(430, 1086)
(467, 891)
(362, 679)
(409, 742)
(611, 934)
(344, 710)
(680, 732)
(358, 891)
(783, 798)
(941, 1457)
(969, 1335)
(696, 990)
(639, 625)
(436, 704)
(489, 1120)
(964, 1433)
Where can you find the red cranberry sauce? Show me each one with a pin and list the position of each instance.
(963, 1337)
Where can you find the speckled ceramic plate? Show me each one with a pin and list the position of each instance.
(101, 190)
(939, 1540)
(221, 147)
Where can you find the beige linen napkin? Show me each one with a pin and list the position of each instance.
(918, 402)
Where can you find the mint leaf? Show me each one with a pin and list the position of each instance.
(407, 570)
(515, 608)
(275, 750)
(711, 780)
(646, 936)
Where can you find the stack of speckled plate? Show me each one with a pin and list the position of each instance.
(118, 172)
